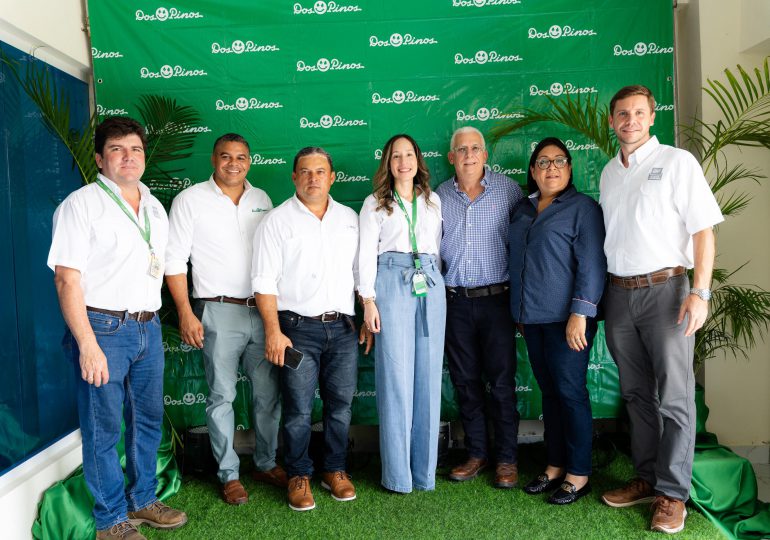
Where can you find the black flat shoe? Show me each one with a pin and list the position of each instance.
(541, 484)
(568, 493)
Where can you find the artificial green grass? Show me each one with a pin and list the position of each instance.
(467, 510)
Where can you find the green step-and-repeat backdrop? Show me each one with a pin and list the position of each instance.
(348, 74)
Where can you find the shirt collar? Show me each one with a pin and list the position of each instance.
(641, 153)
(143, 190)
(484, 182)
(565, 195)
(304, 208)
(213, 185)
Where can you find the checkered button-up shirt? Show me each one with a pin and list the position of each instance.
(474, 248)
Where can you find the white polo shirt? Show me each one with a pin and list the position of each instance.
(652, 209)
(217, 236)
(93, 235)
(381, 232)
(308, 263)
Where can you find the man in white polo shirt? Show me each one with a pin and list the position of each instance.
(212, 225)
(658, 212)
(107, 252)
(303, 279)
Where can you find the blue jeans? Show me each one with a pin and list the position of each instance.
(330, 362)
(134, 393)
(235, 335)
(561, 375)
(408, 357)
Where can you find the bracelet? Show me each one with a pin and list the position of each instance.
(365, 301)
(580, 315)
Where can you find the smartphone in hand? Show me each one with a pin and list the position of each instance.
(292, 358)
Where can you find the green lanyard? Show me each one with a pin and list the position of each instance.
(412, 224)
(146, 232)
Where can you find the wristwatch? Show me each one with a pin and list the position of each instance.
(703, 294)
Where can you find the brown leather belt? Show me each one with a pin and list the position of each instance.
(476, 292)
(647, 280)
(329, 316)
(248, 302)
(139, 316)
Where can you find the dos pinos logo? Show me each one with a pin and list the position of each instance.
(163, 14)
(322, 8)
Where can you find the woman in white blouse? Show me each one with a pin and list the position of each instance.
(402, 290)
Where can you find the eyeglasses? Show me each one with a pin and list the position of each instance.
(559, 162)
(464, 150)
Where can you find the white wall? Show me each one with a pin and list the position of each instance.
(52, 30)
(714, 35)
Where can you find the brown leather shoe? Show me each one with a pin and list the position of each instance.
(159, 516)
(233, 492)
(668, 515)
(300, 496)
(275, 476)
(338, 482)
(506, 475)
(637, 491)
(120, 531)
(468, 470)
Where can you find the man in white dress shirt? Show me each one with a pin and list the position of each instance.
(212, 224)
(658, 212)
(303, 279)
(107, 252)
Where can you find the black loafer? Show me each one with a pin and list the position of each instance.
(568, 493)
(541, 484)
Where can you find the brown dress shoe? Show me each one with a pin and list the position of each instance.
(469, 469)
(233, 492)
(300, 496)
(506, 475)
(275, 476)
(120, 531)
(338, 482)
(668, 515)
(637, 491)
(159, 516)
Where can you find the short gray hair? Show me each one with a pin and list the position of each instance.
(465, 129)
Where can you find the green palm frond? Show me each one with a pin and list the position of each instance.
(54, 105)
(585, 116)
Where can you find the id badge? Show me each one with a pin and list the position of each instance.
(155, 269)
(419, 286)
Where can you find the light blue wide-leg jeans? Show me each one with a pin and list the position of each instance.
(409, 355)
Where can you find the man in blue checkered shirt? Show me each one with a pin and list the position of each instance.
(476, 205)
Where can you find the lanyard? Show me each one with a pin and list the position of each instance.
(412, 224)
(144, 233)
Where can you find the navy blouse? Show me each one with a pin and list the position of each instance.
(556, 263)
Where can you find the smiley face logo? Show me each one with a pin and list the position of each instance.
(326, 121)
(320, 7)
(161, 14)
(396, 40)
(184, 347)
(323, 64)
(166, 71)
(481, 57)
(483, 114)
(241, 103)
(479, 3)
(640, 49)
(555, 31)
(238, 46)
(189, 398)
(398, 97)
(556, 89)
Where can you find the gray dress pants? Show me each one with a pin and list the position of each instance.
(655, 363)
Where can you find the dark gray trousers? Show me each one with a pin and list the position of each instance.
(655, 363)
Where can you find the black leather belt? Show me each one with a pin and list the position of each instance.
(647, 280)
(329, 316)
(140, 316)
(248, 302)
(476, 292)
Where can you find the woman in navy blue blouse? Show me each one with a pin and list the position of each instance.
(557, 270)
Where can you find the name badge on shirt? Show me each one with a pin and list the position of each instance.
(154, 270)
(419, 285)
(656, 173)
